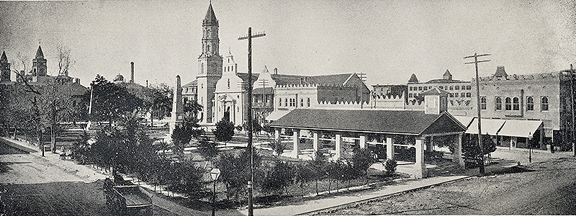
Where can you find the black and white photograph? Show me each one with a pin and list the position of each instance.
(273, 107)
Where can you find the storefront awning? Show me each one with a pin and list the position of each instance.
(520, 128)
(489, 126)
(276, 114)
(465, 120)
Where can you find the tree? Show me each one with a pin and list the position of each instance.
(279, 178)
(110, 101)
(161, 101)
(319, 167)
(208, 149)
(224, 131)
(304, 174)
(235, 171)
(471, 150)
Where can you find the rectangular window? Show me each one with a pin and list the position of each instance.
(468, 94)
(456, 87)
(419, 88)
(280, 102)
(409, 95)
(468, 87)
(410, 88)
(462, 94)
(451, 88)
(456, 94)
(301, 102)
(308, 102)
(425, 88)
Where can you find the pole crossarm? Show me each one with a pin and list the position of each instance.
(252, 36)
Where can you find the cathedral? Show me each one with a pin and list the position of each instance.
(222, 90)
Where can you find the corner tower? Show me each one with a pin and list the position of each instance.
(4, 68)
(39, 63)
(209, 65)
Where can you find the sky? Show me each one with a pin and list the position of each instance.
(386, 40)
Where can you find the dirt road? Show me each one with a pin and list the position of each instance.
(543, 188)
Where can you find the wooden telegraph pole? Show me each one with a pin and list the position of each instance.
(249, 37)
(572, 109)
(475, 62)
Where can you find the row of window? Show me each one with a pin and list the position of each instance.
(424, 88)
(292, 102)
(451, 94)
(514, 103)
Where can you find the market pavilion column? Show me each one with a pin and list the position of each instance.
(420, 167)
(457, 154)
(389, 148)
(296, 139)
(362, 141)
(315, 143)
(277, 134)
(338, 146)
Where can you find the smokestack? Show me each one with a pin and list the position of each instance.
(132, 73)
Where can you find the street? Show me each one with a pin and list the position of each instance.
(543, 188)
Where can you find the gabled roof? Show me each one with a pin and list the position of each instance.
(371, 121)
(282, 79)
(4, 59)
(39, 53)
(210, 18)
(435, 91)
(191, 84)
(413, 79)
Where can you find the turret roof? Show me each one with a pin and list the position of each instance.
(413, 79)
(500, 72)
(39, 53)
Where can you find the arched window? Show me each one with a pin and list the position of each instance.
(508, 103)
(544, 104)
(516, 103)
(483, 102)
(498, 103)
(529, 103)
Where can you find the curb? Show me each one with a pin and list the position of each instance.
(382, 196)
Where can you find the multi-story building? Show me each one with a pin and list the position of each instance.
(541, 97)
(460, 92)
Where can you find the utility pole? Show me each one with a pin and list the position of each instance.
(249, 37)
(475, 62)
(572, 107)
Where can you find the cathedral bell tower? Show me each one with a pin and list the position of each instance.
(209, 66)
(39, 66)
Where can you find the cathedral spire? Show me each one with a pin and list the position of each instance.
(210, 18)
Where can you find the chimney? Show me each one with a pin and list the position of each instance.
(275, 70)
(132, 73)
(146, 83)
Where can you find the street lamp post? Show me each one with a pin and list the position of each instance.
(215, 173)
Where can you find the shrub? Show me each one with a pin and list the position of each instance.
(278, 147)
(277, 179)
(362, 160)
(390, 166)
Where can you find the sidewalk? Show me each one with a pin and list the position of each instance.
(333, 201)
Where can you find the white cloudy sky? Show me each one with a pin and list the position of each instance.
(386, 40)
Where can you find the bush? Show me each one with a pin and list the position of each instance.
(278, 147)
(362, 160)
(277, 179)
(224, 131)
(390, 166)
